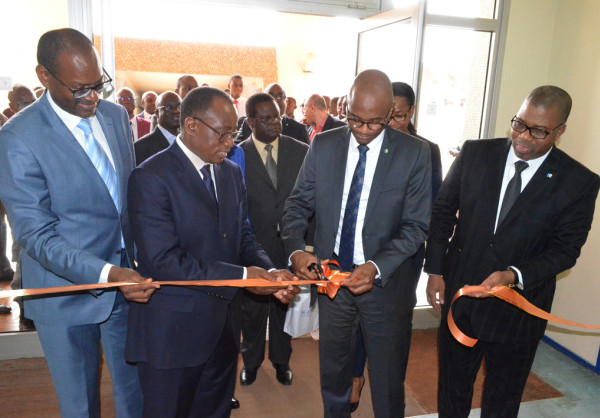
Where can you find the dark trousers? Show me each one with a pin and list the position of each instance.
(256, 309)
(199, 391)
(507, 367)
(385, 317)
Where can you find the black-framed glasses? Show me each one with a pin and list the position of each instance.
(400, 118)
(536, 133)
(223, 136)
(170, 108)
(103, 86)
(268, 119)
(359, 123)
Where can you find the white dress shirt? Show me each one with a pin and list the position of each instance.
(371, 165)
(168, 135)
(134, 127)
(240, 106)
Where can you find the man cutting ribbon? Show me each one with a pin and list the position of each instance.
(511, 211)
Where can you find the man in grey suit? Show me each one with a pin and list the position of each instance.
(272, 162)
(369, 187)
(64, 163)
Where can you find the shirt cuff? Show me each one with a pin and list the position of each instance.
(519, 277)
(378, 276)
(245, 273)
(290, 258)
(104, 273)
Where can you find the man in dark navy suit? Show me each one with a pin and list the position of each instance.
(525, 211)
(190, 222)
(168, 108)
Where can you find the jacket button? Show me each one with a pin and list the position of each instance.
(224, 235)
(491, 244)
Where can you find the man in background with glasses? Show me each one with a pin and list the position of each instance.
(64, 164)
(512, 212)
(369, 187)
(139, 126)
(168, 109)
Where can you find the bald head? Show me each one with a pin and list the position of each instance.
(370, 102)
(126, 98)
(55, 42)
(277, 92)
(21, 97)
(168, 110)
(371, 87)
(547, 97)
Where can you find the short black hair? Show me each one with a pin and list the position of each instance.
(548, 97)
(180, 79)
(256, 99)
(54, 42)
(235, 76)
(199, 100)
(401, 89)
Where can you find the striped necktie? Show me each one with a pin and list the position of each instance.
(100, 160)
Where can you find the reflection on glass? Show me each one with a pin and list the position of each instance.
(455, 64)
(463, 8)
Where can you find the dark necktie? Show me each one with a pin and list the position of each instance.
(208, 182)
(513, 190)
(271, 165)
(346, 250)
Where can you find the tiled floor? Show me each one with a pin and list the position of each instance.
(580, 386)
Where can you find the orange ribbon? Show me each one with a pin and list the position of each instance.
(334, 277)
(99, 286)
(514, 298)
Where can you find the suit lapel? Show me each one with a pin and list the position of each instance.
(492, 183)
(58, 132)
(337, 162)
(109, 133)
(386, 155)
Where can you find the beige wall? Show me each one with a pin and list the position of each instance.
(553, 42)
(23, 22)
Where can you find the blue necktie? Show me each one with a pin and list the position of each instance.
(208, 182)
(101, 162)
(346, 250)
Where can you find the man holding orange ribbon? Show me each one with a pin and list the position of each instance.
(511, 211)
(369, 187)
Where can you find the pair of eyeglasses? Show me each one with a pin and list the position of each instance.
(126, 99)
(224, 137)
(400, 118)
(536, 133)
(279, 96)
(170, 108)
(103, 86)
(359, 123)
(268, 120)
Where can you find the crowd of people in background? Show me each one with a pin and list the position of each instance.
(205, 183)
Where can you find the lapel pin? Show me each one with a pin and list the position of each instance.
(549, 175)
(385, 151)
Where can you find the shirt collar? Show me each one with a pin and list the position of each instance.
(533, 164)
(260, 146)
(170, 137)
(196, 161)
(374, 145)
(68, 118)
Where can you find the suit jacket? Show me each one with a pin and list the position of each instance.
(330, 123)
(143, 127)
(181, 235)
(289, 127)
(149, 145)
(397, 210)
(265, 202)
(60, 210)
(541, 235)
(436, 164)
